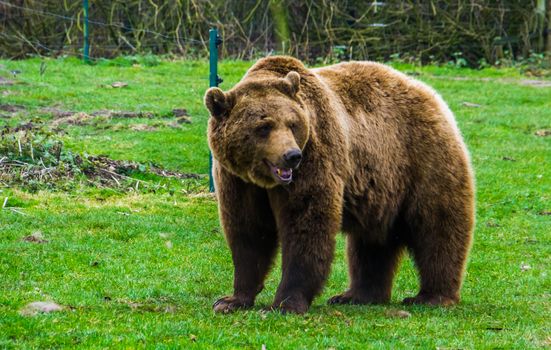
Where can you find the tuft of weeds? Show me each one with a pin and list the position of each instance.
(34, 158)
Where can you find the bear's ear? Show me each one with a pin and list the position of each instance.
(218, 103)
(293, 81)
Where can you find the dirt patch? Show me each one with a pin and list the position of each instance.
(142, 127)
(103, 163)
(35, 159)
(8, 111)
(66, 117)
(56, 112)
(536, 83)
(40, 307)
(79, 118)
(11, 108)
(167, 173)
(525, 82)
(122, 114)
(6, 82)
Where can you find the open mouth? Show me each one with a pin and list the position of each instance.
(283, 175)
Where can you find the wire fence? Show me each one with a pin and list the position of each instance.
(314, 30)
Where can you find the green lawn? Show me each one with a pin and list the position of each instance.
(141, 269)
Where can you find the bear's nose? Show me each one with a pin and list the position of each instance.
(292, 158)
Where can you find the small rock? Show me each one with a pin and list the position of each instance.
(119, 84)
(525, 267)
(35, 237)
(542, 133)
(40, 307)
(398, 313)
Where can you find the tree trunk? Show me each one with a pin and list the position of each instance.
(540, 25)
(548, 34)
(281, 25)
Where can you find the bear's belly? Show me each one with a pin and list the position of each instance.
(369, 216)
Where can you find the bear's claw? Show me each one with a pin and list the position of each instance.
(229, 304)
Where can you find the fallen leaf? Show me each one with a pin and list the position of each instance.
(509, 159)
(40, 307)
(470, 104)
(119, 84)
(398, 314)
(168, 244)
(193, 337)
(545, 212)
(35, 237)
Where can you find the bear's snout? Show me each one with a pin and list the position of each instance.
(292, 158)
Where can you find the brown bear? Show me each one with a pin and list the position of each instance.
(300, 154)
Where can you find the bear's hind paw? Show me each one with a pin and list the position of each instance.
(350, 297)
(431, 300)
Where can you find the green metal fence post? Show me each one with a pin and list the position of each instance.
(86, 54)
(214, 80)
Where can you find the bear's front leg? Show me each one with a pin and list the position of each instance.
(251, 233)
(307, 227)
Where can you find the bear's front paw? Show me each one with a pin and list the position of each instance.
(230, 304)
(294, 305)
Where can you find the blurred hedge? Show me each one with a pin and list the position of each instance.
(470, 30)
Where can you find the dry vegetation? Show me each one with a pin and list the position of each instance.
(467, 31)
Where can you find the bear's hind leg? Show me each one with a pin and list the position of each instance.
(440, 250)
(371, 268)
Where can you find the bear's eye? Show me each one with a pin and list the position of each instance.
(263, 130)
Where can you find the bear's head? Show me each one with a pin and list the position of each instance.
(259, 129)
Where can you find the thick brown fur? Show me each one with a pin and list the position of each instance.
(382, 160)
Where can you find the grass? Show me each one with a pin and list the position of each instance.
(137, 270)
